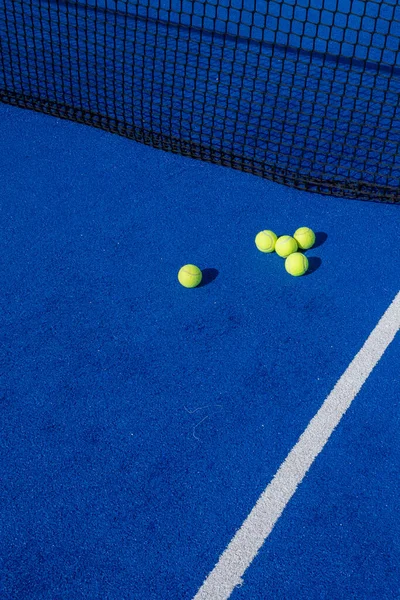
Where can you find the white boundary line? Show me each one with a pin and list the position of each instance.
(244, 546)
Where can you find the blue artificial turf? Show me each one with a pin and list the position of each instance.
(113, 485)
(339, 537)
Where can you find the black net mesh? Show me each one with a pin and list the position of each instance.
(304, 92)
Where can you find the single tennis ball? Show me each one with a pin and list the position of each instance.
(265, 240)
(296, 264)
(285, 245)
(190, 276)
(305, 237)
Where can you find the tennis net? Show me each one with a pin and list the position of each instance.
(303, 92)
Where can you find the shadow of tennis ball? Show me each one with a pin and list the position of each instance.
(314, 263)
(320, 238)
(209, 275)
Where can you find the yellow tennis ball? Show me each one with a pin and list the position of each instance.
(265, 240)
(296, 264)
(305, 237)
(285, 245)
(190, 276)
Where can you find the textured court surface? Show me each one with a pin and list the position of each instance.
(141, 421)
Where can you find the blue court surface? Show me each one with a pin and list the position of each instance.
(141, 421)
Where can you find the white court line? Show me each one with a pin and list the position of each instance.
(244, 546)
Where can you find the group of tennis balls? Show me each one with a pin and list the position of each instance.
(267, 241)
(287, 247)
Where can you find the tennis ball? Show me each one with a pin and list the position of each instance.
(190, 276)
(296, 264)
(265, 240)
(305, 237)
(285, 245)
